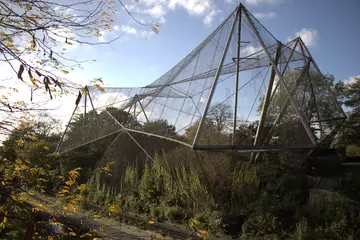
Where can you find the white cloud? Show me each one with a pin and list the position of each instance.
(129, 30)
(204, 8)
(351, 80)
(259, 2)
(129, 7)
(158, 9)
(308, 35)
(230, 1)
(193, 7)
(265, 16)
(161, 20)
(209, 18)
(249, 50)
(152, 2)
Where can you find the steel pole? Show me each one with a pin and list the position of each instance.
(266, 101)
(66, 128)
(125, 129)
(84, 130)
(142, 108)
(318, 69)
(284, 70)
(216, 77)
(284, 107)
(237, 77)
(92, 105)
(292, 100)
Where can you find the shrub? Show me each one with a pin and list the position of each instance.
(351, 186)
(245, 186)
(326, 163)
(158, 212)
(353, 151)
(333, 217)
(260, 224)
(302, 231)
(175, 214)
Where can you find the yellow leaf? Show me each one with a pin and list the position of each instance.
(62, 191)
(35, 210)
(151, 222)
(194, 222)
(33, 138)
(86, 235)
(72, 234)
(32, 79)
(154, 29)
(69, 183)
(113, 209)
(20, 142)
(100, 88)
(203, 233)
(82, 187)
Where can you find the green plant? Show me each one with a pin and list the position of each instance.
(352, 150)
(175, 214)
(350, 185)
(333, 216)
(158, 212)
(302, 230)
(260, 224)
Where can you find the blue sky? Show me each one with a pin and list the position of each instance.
(329, 28)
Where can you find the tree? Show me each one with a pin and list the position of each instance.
(47, 127)
(159, 127)
(350, 131)
(245, 133)
(220, 114)
(34, 37)
(315, 100)
(33, 138)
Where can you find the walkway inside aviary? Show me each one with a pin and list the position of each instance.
(240, 91)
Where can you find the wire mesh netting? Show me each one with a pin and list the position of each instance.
(225, 94)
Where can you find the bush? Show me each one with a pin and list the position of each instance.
(333, 216)
(302, 231)
(260, 224)
(158, 212)
(324, 164)
(353, 151)
(176, 215)
(351, 186)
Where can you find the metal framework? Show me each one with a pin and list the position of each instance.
(293, 108)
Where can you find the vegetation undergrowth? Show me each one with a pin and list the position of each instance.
(264, 202)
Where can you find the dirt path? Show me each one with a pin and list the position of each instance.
(138, 228)
(106, 228)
